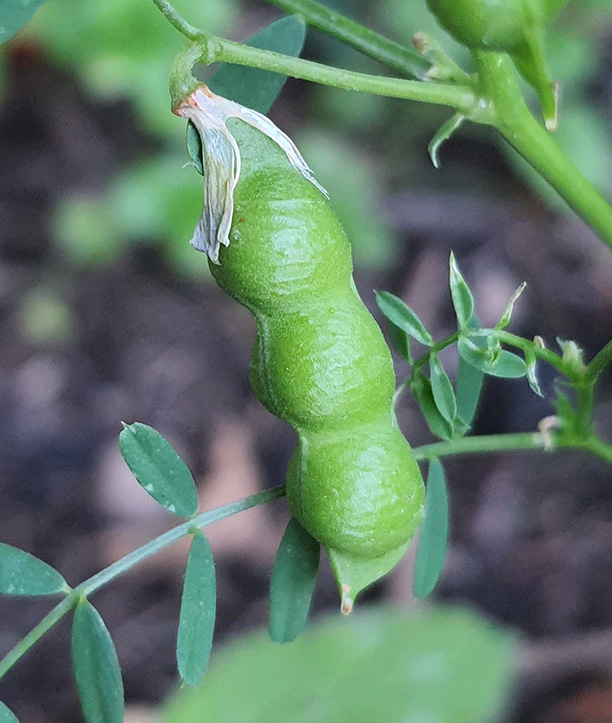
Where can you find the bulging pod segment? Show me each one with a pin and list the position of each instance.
(325, 367)
(361, 495)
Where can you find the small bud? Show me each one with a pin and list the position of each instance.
(572, 355)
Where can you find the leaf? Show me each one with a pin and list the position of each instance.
(194, 148)
(399, 341)
(433, 535)
(7, 716)
(198, 610)
(158, 469)
(252, 87)
(14, 14)
(379, 665)
(442, 389)
(468, 384)
(506, 365)
(445, 131)
(403, 317)
(96, 668)
(423, 394)
(506, 316)
(24, 574)
(461, 294)
(294, 574)
(532, 378)
(509, 366)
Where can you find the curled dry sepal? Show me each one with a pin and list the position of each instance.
(209, 113)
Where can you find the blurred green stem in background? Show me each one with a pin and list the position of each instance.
(500, 89)
(366, 41)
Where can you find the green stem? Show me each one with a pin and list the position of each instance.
(511, 117)
(525, 441)
(216, 49)
(599, 362)
(487, 443)
(437, 347)
(357, 36)
(37, 632)
(599, 448)
(177, 21)
(133, 558)
(461, 98)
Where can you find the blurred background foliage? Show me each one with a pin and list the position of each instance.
(441, 665)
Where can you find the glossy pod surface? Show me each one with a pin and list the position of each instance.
(502, 25)
(319, 361)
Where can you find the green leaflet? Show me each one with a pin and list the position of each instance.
(6, 716)
(158, 469)
(423, 394)
(14, 14)
(198, 610)
(403, 317)
(532, 376)
(442, 389)
(433, 535)
(96, 668)
(506, 315)
(399, 341)
(293, 581)
(252, 87)
(461, 294)
(468, 384)
(505, 364)
(443, 134)
(24, 574)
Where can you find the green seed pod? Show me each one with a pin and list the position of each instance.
(319, 361)
(502, 25)
(511, 26)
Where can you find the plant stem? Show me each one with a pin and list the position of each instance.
(524, 441)
(459, 97)
(177, 21)
(600, 449)
(512, 119)
(37, 632)
(484, 444)
(357, 36)
(216, 49)
(133, 558)
(438, 346)
(599, 362)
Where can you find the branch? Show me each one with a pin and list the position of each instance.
(357, 36)
(133, 558)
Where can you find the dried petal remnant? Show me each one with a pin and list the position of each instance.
(209, 114)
